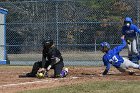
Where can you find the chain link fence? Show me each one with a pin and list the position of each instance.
(76, 26)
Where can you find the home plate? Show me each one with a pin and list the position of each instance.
(75, 77)
(137, 74)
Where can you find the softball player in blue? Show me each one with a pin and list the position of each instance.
(129, 31)
(112, 56)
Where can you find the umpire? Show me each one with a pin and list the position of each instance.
(54, 61)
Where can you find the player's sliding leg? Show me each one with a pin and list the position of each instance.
(124, 68)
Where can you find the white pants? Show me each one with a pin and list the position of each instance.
(132, 46)
(127, 64)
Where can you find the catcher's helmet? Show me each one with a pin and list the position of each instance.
(105, 46)
(48, 43)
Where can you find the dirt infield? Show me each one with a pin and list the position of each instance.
(11, 83)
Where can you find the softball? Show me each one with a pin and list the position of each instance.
(40, 75)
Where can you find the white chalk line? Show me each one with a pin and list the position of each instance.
(25, 83)
(34, 82)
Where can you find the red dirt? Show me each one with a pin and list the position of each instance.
(11, 83)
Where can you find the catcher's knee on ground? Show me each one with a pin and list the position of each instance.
(63, 73)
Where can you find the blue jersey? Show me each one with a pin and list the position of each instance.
(131, 31)
(113, 57)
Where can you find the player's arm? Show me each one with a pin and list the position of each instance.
(54, 61)
(123, 31)
(107, 64)
(120, 47)
(137, 29)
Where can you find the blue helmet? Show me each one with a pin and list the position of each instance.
(105, 46)
(127, 21)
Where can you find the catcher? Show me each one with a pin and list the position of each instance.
(112, 57)
(54, 61)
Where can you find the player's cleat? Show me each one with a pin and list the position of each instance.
(131, 72)
(64, 72)
(66, 69)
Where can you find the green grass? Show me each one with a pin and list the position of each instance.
(94, 87)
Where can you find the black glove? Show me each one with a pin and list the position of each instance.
(128, 41)
(105, 72)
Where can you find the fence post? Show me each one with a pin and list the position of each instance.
(138, 22)
(57, 37)
(3, 54)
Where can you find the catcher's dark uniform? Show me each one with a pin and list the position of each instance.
(49, 55)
